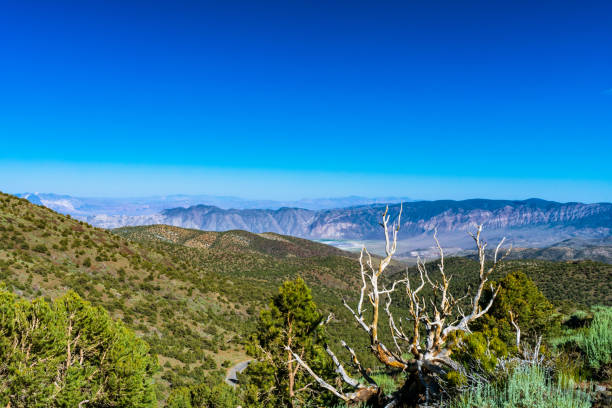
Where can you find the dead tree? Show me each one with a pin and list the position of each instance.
(431, 322)
(526, 354)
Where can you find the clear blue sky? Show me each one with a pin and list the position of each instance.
(286, 99)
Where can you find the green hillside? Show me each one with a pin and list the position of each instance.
(193, 304)
(193, 295)
(577, 283)
(280, 246)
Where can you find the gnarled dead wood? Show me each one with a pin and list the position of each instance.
(432, 320)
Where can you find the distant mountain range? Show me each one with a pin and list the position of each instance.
(529, 223)
(532, 223)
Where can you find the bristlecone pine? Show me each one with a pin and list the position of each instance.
(432, 321)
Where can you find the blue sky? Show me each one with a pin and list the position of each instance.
(287, 100)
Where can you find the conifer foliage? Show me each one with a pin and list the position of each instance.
(203, 395)
(291, 320)
(70, 354)
(520, 298)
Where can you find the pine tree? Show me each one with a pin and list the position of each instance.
(70, 354)
(532, 312)
(291, 320)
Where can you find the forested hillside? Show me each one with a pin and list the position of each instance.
(193, 304)
(194, 296)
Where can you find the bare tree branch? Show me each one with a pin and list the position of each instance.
(518, 331)
(318, 379)
(362, 371)
(340, 369)
(441, 315)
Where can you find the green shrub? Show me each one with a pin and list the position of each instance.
(203, 396)
(534, 314)
(587, 349)
(597, 341)
(456, 379)
(526, 387)
(476, 351)
(40, 248)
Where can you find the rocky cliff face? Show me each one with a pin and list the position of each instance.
(530, 222)
(287, 221)
(418, 218)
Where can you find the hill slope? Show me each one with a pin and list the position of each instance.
(191, 302)
(570, 249)
(194, 295)
(241, 241)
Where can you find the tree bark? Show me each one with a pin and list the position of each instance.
(437, 318)
(290, 365)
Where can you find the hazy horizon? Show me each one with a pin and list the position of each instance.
(378, 199)
(87, 180)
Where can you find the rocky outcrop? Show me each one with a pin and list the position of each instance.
(418, 218)
(451, 216)
(286, 221)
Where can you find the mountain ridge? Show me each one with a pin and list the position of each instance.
(533, 223)
(361, 222)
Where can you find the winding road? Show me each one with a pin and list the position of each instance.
(231, 377)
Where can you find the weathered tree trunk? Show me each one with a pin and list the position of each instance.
(438, 318)
(290, 366)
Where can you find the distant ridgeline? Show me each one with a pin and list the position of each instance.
(529, 223)
(193, 295)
